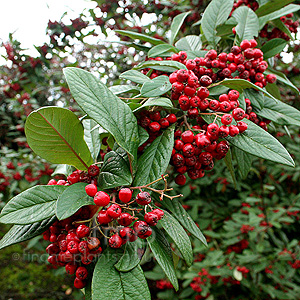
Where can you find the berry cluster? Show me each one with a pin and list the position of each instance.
(154, 123)
(253, 4)
(71, 245)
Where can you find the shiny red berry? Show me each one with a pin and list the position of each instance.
(91, 190)
(115, 241)
(101, 198)
(125, 195)
(143, 198)
(114, 211)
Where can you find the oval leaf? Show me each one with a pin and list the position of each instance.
(189, 42)
(21, 233)
(56, 134)
(164, 65)
(104, 107)
(256, 98)
(123, 88)
(179, 237)
(33, 205)
(156, 87)
(273, 47)
(162, 50)
(135, 76)
(162, 102)
(258, 142)
(92, 137)
(130, 285)
(140, 36)
(244, 161)
(71, 200)
(176, 25)
(271, 6)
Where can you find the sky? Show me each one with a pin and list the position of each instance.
(29, 18)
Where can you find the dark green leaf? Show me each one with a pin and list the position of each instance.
(49, 136)
(161, 101)
(140, 36)
(215, 14)
(33, 205)
(228, 162)
(154, 161)
(273, 47)
(176, 25)
(115, 170)
(256, 98)
(218, 90)
(92, 137)
(63, 170)
(163, 254)
(165, 65)
(179, 237)
(143, 134)
(156, 87)
(123, 88)
(280, 113)
(130, 259)
(273, 89)
(248, 25)
(135, 76)
(271, 6)
(258, 142)
(189, 42)
(184, 218)
(71, 200)
(244, 161)
(21, 233)
(104, 107)
(282, 27)
(162, 50)
(110, 284)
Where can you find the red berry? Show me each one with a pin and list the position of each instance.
(125, 219)
(178, 144)
(187, 136)
(160, 213)
(81, 273)
(233, 95)
(226, 119)
(151, 218)
(125, 195)
(180, 179)
(71, 268)
(79, 284)
(188, 150)
(127, 234)
(114, 211)
(91, 190)
(154, 126)
(73, 247)
(52, 249)
(142, 229)
(52, 182)
(233, 130)
(171, 118)
(103, 217)
(101, 198)
(242, 126)
(213, 129)
(203, 93)
(115, 241)
(83, 247)
(143, 198)
(93, 170)
(245, 44)
(205, 81)
(178, 160)
(238, 114)
(214, 104)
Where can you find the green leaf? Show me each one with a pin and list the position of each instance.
(280, 113)
(165, 65)
(218, 90)
(278, 13)
(241, 84)
(273, 47)
(244, 161)
(161, 101)
(156, 87)
(143, 134)
(162, 50)
(189, 42)
(63, 170)
(273, 89)
(282, 78)
(140, 36)
(49, 136)
(193, 54)
(282, 27)
(184, 218)
(228, 162)
(215, 14)
(130, 285)
(105, 108)
(71, 200)
(271, 6)
(123, 88)
(176, 25)
(179, 237)
(21, 233)
(135, 76)
(154, 161)
(129, 260)
(258, 142)
(92, 137)
(248, 25)
(163, 254)
(33, 205)
(115, 170)
(256, 98)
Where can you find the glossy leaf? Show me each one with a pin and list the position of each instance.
(115, 170)
(189, 42)
(156, 87)
(256, 98)
(229, 164)
(71, 200)
(244, 161)
(63, 170)
(215, 14)
(176, 25)
(143, 134)
(280, 113)
(104, 107)
(161, 101)
(154, 161)
(162, 50)
(123, 88)
(273, 89)
(129, 285)
(163, 254)
(49, 136)
(140, 36)
(273, 47)
(21, 233)
(179, 237)
(282, 27)
(33, 205)
(258, 142)
(165, 65)
(248, 24)
(184, 218)
(92, 137)
(135, 76)
(271, 6)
